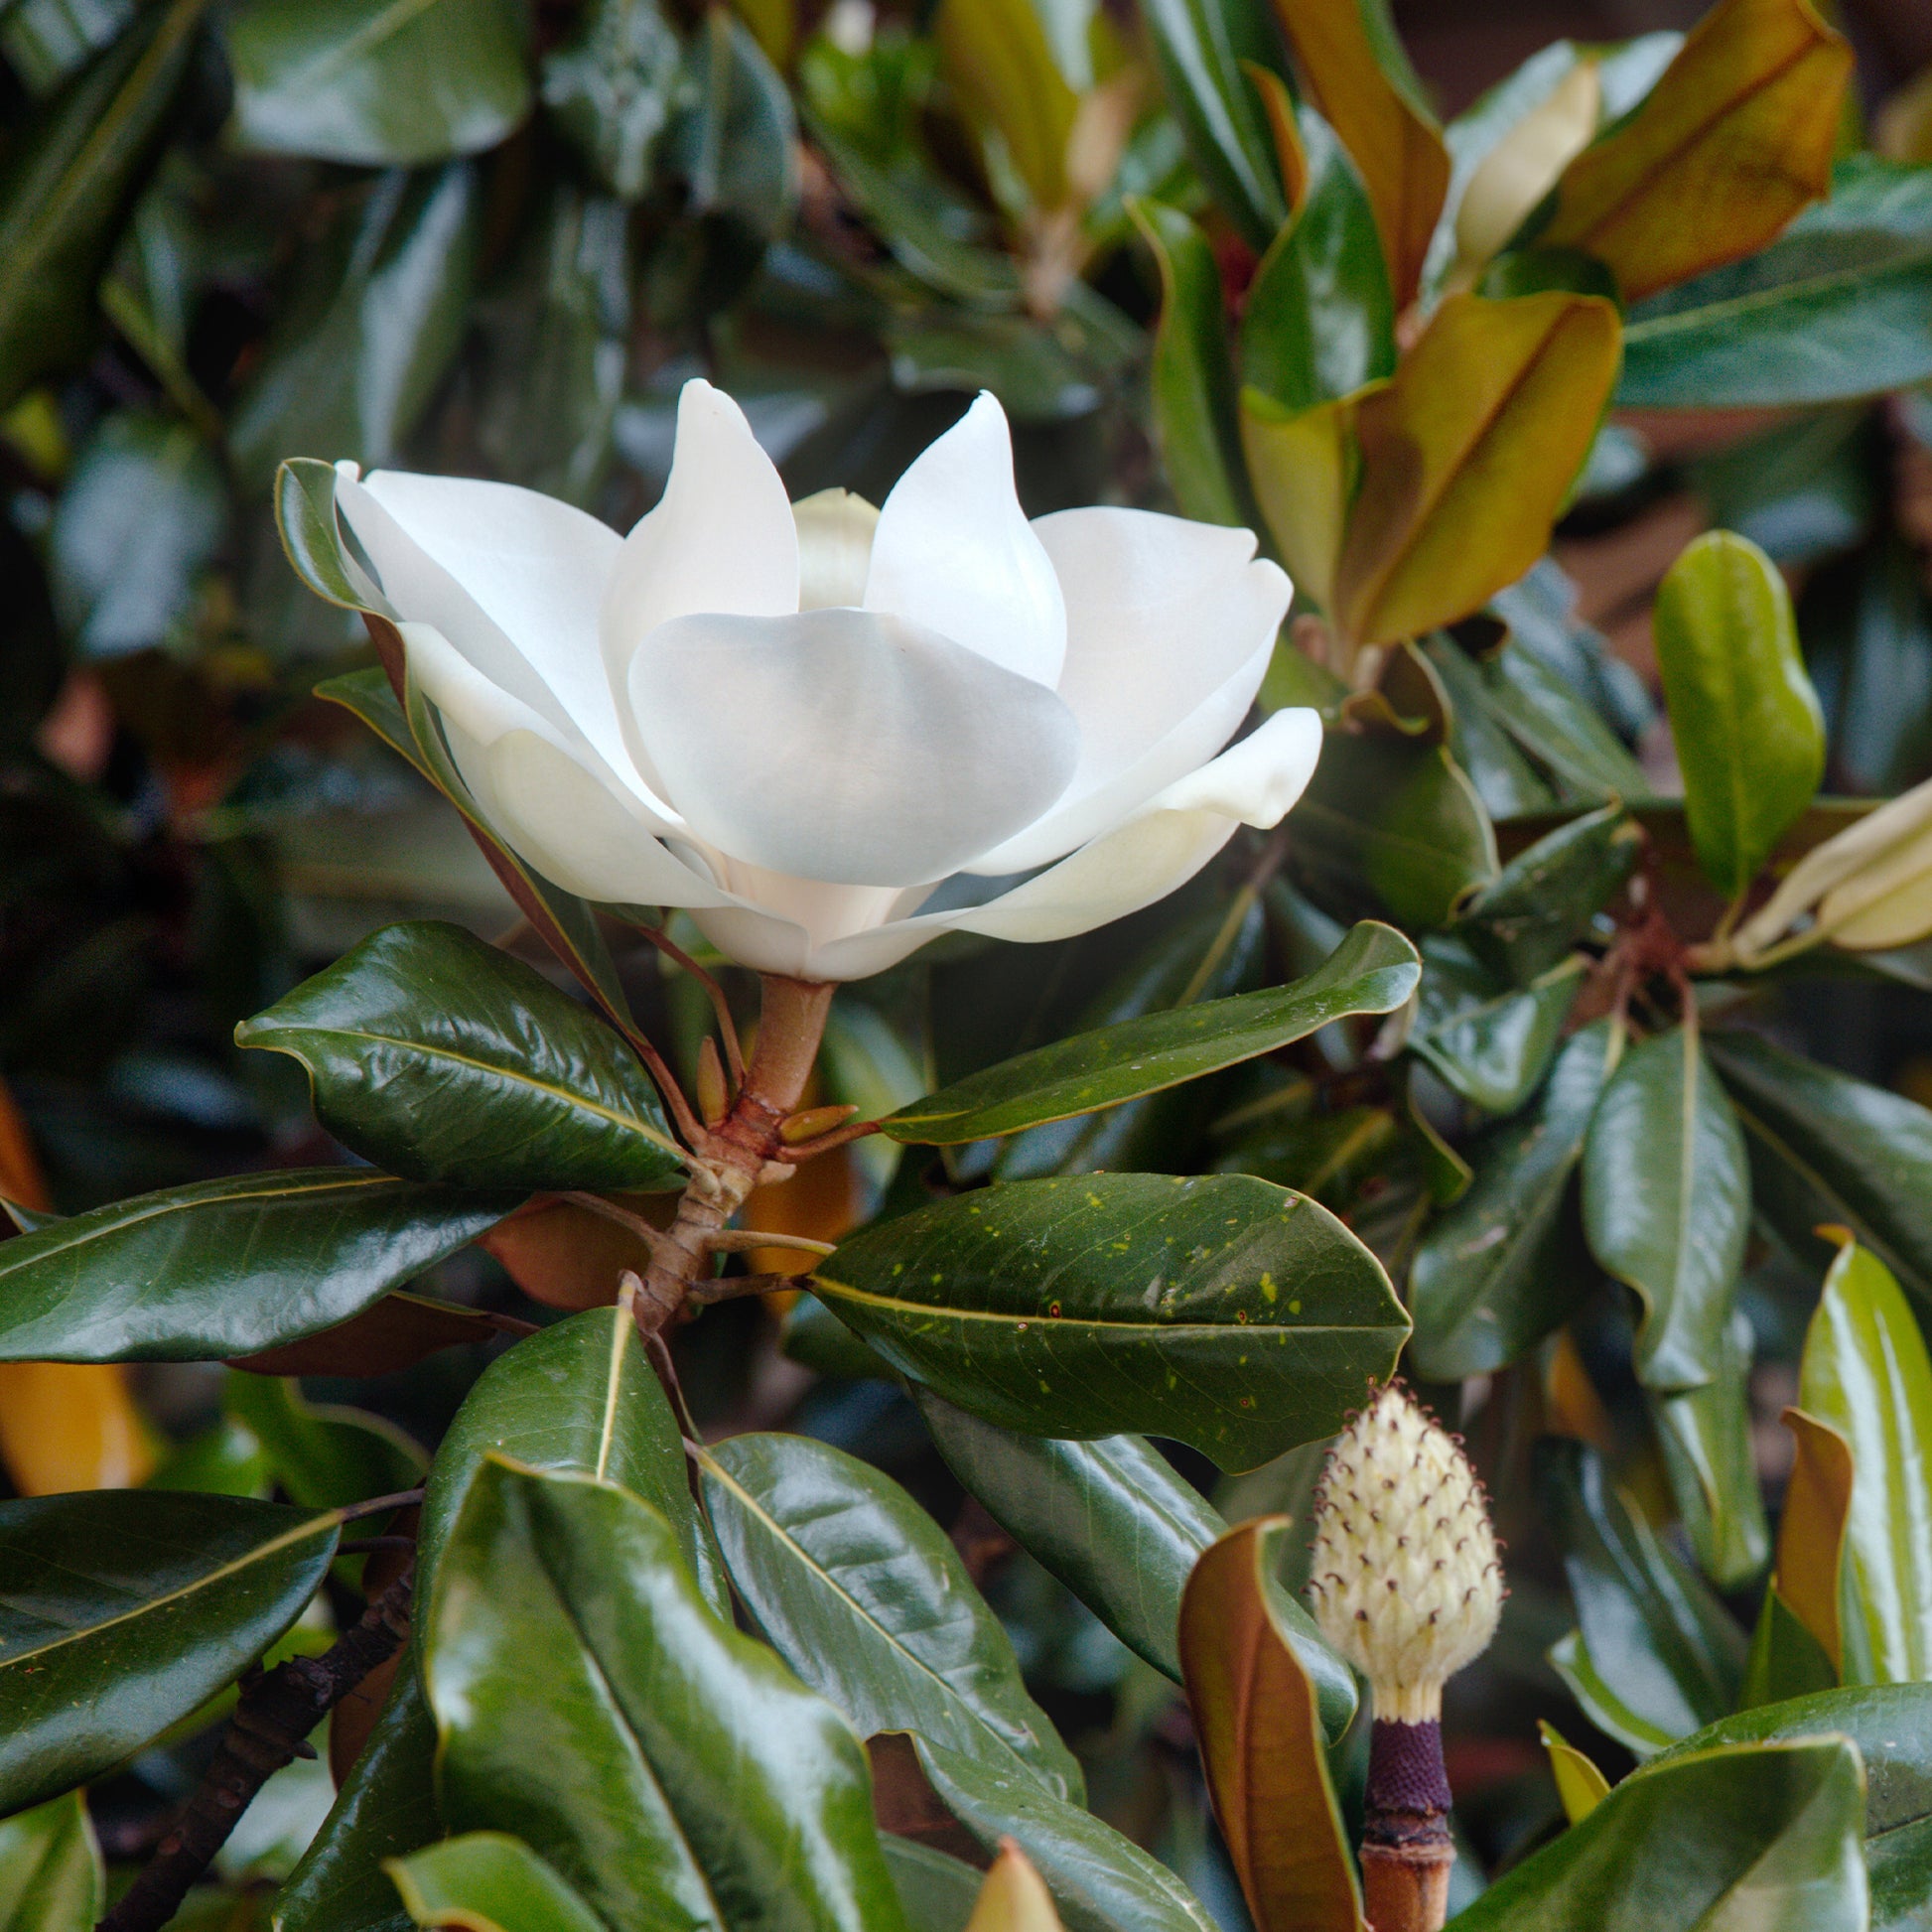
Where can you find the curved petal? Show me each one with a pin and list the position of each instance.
(954, 552)
(1158, 850)
(511, 578)
(835, 529)
(845, 746)
(722, 537)
(1170, 628)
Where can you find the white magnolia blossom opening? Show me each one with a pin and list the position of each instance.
(796, 720)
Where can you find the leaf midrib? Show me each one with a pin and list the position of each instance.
(1063, 1321)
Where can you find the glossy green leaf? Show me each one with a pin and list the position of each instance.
(1527, 919)
(863, 1595)
(50, 1878)
(1786, 1660)
(1829, 1149)
(937, 1891)
(386, 1807)
(1653, 1629)
(1667, 1201)
(1836, 307)
(489, 1881)
(225, 1267)
(349, 371)
(579, 1397)
(122, 1610)
(1495, 1048)
(375, 83)
(1372, 971)
(1542, 709)
(1100, 1880)
(1605, 1707)
(312, 537)
(1708, 1457)
(136, 527)
(1496, 1272)
(1749, 734)
(1763, 1836)
(1111, 1519)
(442, 1058)
(1195, 422)
(1000, 67)
(1867, 1373)
(736, 142)
(69, 175)
(323, 1457)
(1223, 1311)
(1891, 1726)
(671, 1770)
(610, 88)
(1320, 320)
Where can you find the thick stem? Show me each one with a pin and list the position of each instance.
(1407, 1850)
(269, 1729)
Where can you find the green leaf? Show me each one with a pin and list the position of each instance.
(1544, 712)
(133, 531)
(1892, 1728)
(1825, 1147)
(375, 83)
(322, 1457)
(1494, 1048)
(937, 1891)
(1527, 919)
(50, 1878)
(386, 1807)
(863, 1595)
(442, 1058)
(1372, 971)
(1867, 1373)
(1836, 307)
(579, 1397)
(71, 171)
(1763, 1836)
(737, 144)
(1111, 1519)
(45, 41)
(1491, 1274)
(356, 358)
(1226, 1313)
(489, 1881)
(122, 1610)
(1320, 320)
(1786, 1660)
(1749, 734)
(1708, 1457)
(1667, 1203)
(1196, 423)
(1100, 1880)
(225, 1267)
(1570, 1658)
(671, 1770)
(311, 539)
(1653, 1629)
(610, 88)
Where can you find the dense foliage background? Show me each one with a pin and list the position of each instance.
(490, 238)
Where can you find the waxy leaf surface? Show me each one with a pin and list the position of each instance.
(489, 1881)
(50, 1878)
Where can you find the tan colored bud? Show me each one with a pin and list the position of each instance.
(1524, 164)
(1406, 1582)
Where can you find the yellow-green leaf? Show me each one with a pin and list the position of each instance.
(1302, 466)
(1580, 1784)
(1733, 140)
(1466, 456)
(1001, 65)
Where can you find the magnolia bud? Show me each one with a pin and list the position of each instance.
(1406, 1582)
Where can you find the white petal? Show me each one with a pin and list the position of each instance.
(511, 578)
(1170, 629)
(1158, 850)
(844, 746)
(720, 538)
(954, 552)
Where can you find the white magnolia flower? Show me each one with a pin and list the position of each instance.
(796, 720)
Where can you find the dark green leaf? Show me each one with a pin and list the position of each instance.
(1495, 1048)
(1373, 971)
(225, 1267)
(736, 146)
(1546, 713)
(860, 1590)
(1505, 778)
(1652, 1626)
(489, 1881)
(1527, 919)
(1101, 1881)
(611, 87)
(386, 1807)
(1825, 1147)
(312, 537)
(582, 1398)
(1786, 1660)
(1492, 1275)
(1223, 1311)
(377, 84)
(50, 1878)
(322, 1457)
(70, 174)
(442, 1058)
(1709, 1455)
(122, 1610)
(1765, 1836)
(937, 1891)
(671, 1770)
(45, 41)
(1667, 1203)
(1837, 305)
(1570, 1658)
